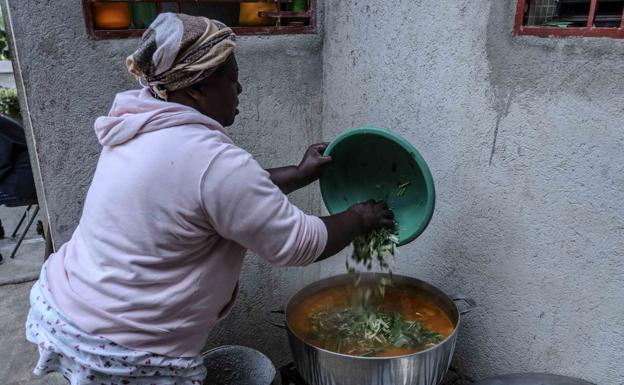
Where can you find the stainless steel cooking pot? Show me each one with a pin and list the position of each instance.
(322, 367)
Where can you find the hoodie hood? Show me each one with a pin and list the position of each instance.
(136, 112)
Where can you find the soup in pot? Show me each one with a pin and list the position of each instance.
(400, 321)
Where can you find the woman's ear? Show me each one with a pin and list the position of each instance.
(195, 92)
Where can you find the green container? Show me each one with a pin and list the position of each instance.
(143, 14)
(298, 6)
(371, 163)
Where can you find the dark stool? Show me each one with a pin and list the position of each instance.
(11, 201)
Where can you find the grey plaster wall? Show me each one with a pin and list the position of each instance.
(525, 141)
(69, 80)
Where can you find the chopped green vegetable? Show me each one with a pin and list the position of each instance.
(369, 331)
(378, 244)
(364, 329)
(403, 188)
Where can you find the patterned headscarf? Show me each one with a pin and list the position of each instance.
(179, 50)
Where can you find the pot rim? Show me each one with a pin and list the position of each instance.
(439, 345)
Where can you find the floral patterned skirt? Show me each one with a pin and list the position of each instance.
(85, 359)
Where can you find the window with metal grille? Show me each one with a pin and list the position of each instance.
(118, 19)
(560, 18)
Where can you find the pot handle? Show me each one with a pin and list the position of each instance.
(267, 318)
(470, 303)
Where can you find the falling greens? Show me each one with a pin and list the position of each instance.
(364, 329)
(377, 245)
(368, 332)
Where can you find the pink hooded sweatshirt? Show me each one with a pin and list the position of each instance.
(155, 260)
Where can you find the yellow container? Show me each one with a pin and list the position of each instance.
(249, 14)
(112, 15)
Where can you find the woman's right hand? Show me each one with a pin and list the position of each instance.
(360, 219)
(373, 215)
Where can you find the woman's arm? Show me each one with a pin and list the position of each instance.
(288, 178)
(358, 220)
(291, 178)
(242, 204)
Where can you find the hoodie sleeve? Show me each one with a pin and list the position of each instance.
(243, 205)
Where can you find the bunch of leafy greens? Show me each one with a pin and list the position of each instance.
(378, 244)
(368, 332)
(364, 329)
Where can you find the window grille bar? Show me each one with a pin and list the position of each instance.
(592, 13)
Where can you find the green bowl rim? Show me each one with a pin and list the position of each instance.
(420, 161)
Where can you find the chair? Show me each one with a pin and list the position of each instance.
(17, 186)
(11, 201)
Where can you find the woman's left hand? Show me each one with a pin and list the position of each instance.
(313, 162)
(291, 178)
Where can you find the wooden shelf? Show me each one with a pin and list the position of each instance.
(100, 34)
(189, 1)
(307, 25)
(279, 14)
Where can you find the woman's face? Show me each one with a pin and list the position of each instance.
(218, 94)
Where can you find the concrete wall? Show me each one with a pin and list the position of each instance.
(69, 80)
(525, 141)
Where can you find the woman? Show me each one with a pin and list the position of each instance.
(174, 203)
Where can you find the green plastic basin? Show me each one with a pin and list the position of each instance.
(372, 163)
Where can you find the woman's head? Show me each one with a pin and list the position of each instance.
(216, 96)
(190, 60)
